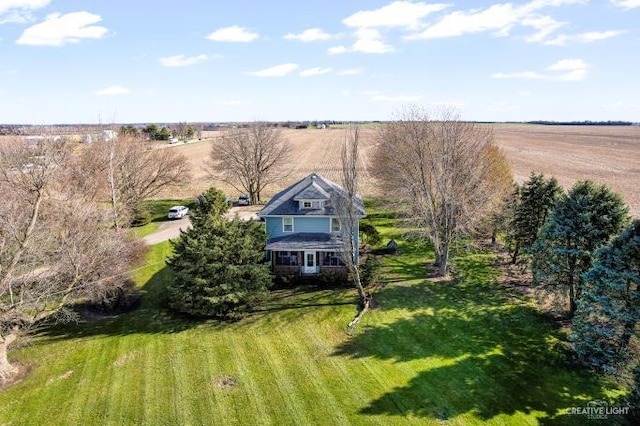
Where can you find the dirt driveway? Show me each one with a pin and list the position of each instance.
(171, 228)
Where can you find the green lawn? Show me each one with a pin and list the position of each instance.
(467, 351)
(158, 210)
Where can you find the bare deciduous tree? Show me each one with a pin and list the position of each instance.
(251, 158)
(53, 249)
(448, 171)
(126, 171)
(350, 210)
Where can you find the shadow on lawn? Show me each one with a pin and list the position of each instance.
(153, 316)
(150, 317)
(489, 355)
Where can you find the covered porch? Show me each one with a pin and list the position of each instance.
(306, 254)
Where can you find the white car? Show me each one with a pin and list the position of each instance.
(178, 212)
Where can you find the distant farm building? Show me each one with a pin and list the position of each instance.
(104, 135)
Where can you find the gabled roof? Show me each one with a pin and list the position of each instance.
(285, 203)
(312, 192)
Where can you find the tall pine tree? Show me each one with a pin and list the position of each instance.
(218, 264)
(610, 306)
(536, 199)
(582, 221)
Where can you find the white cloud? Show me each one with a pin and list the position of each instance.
(113, 90)
(312, 34)
(574, 69)
(524, 93)
(7, 5)
(234, 34)
(397, 14)
(350, 71)
(563, 70)
(314, 71)
(545, 26)
(369, 40)
(498, 19)
(182, 60)
(275, 71)
(588, 37)
(568, 65)
(626, 4)
(19, 11)
(58, 30)
(336, 50)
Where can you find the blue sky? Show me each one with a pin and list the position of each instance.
(117, 61)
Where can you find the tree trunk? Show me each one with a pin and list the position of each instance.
(358, 284)
(7, 371)
(516, 252)
(573, 305)
(442, 262)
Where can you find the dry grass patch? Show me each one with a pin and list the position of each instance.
(225, 382)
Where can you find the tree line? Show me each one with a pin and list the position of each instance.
(583, 249)
(63, 226)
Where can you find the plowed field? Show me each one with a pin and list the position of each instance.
(605, 154)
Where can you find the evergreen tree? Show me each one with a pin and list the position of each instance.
(582, 221)
(212, 202)
(610, 306)
(535, 201)
(219, 268)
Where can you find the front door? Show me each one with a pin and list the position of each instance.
(309, 262)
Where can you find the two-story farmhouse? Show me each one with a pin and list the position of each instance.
(303, 228)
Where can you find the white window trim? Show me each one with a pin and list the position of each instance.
(304, 204)
(292, 223)
(331, 225)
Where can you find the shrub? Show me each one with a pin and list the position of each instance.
(370, 271)
(140, 216)
(117, 300)
(369, 234)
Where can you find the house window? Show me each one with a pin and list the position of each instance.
(335, 224)
(287, 258)
(332, 258)
(307, 204)
(287, 224)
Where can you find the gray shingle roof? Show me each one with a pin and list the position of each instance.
(305, 241)
(284, 203)
(312, 192)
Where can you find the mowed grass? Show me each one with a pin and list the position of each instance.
(158, 210)
(466, 351)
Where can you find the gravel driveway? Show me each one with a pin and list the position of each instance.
(170, 229)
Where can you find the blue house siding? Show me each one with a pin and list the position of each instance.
(306, 247)
(300, 224)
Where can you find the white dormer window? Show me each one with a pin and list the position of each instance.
(311, 204)
(287, 224)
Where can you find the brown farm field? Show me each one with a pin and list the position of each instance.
(605, 154)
